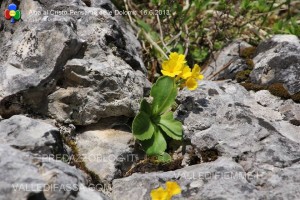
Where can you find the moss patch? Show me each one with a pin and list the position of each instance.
(250, 64)
(254, 87)
(77, 161)
(296, 97)
(248, 52)
(276, 89)
(242, 75)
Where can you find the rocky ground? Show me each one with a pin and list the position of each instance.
(71, 84)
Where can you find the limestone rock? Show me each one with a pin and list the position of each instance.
(31, 135)
(205, 181)
(93, 90)
(227, 62)
(103, 150)
(278, 61)
(223, 119)
(49, 52)
(25, 177)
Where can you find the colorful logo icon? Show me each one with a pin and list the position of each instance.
(12, 13)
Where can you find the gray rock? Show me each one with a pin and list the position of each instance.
(93, 90)
(227, 62)
(83, 68)
(88, 193)
(31, 135)
(48, 53)
(102, 3)
(25, 177)
(35, 56)
(222, 179)
(104, 150)
(283, 184)
(278, 61)
(223, 119)
(288, 109)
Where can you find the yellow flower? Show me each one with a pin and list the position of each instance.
(174, 65)
(196, 72)
(191, 82)
(186, 72)
(172, 188)
(159, 194)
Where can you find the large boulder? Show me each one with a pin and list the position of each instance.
(223, 120)
(93, 90)
(204, 181)
(23, 176)
(222, 179)
(32, 63)
(248, 143)
(49, 57)
(278, 61)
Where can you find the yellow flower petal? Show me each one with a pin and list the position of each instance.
(165, 66)
(191, 83)
(186, 72)
(171, 74)
(174, 65)
(196, 72)
(200, 77)
(174, 56)
(159, 194)
(172, 188)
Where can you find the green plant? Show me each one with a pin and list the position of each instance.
(198, 28)
(154, 125)
(155, 121)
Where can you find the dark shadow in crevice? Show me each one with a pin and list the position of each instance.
(36, 196)
(295, 122)
(88, 3)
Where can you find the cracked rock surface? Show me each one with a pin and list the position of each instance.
(278, 61)
(76, 68)
(71, 84)
(26, 177)
(102, 150)
(251, 147)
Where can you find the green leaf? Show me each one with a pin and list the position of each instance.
(164, 92)
(145, 107)
(148, 29)
(201, 5)
(142, 126)
(144, 25)
(165, 158)
(156, 145)
(277, 27)
(294, 27)
(245, 4)
(179, 48)
(154, 35)
(172, 127)
(200, 54)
